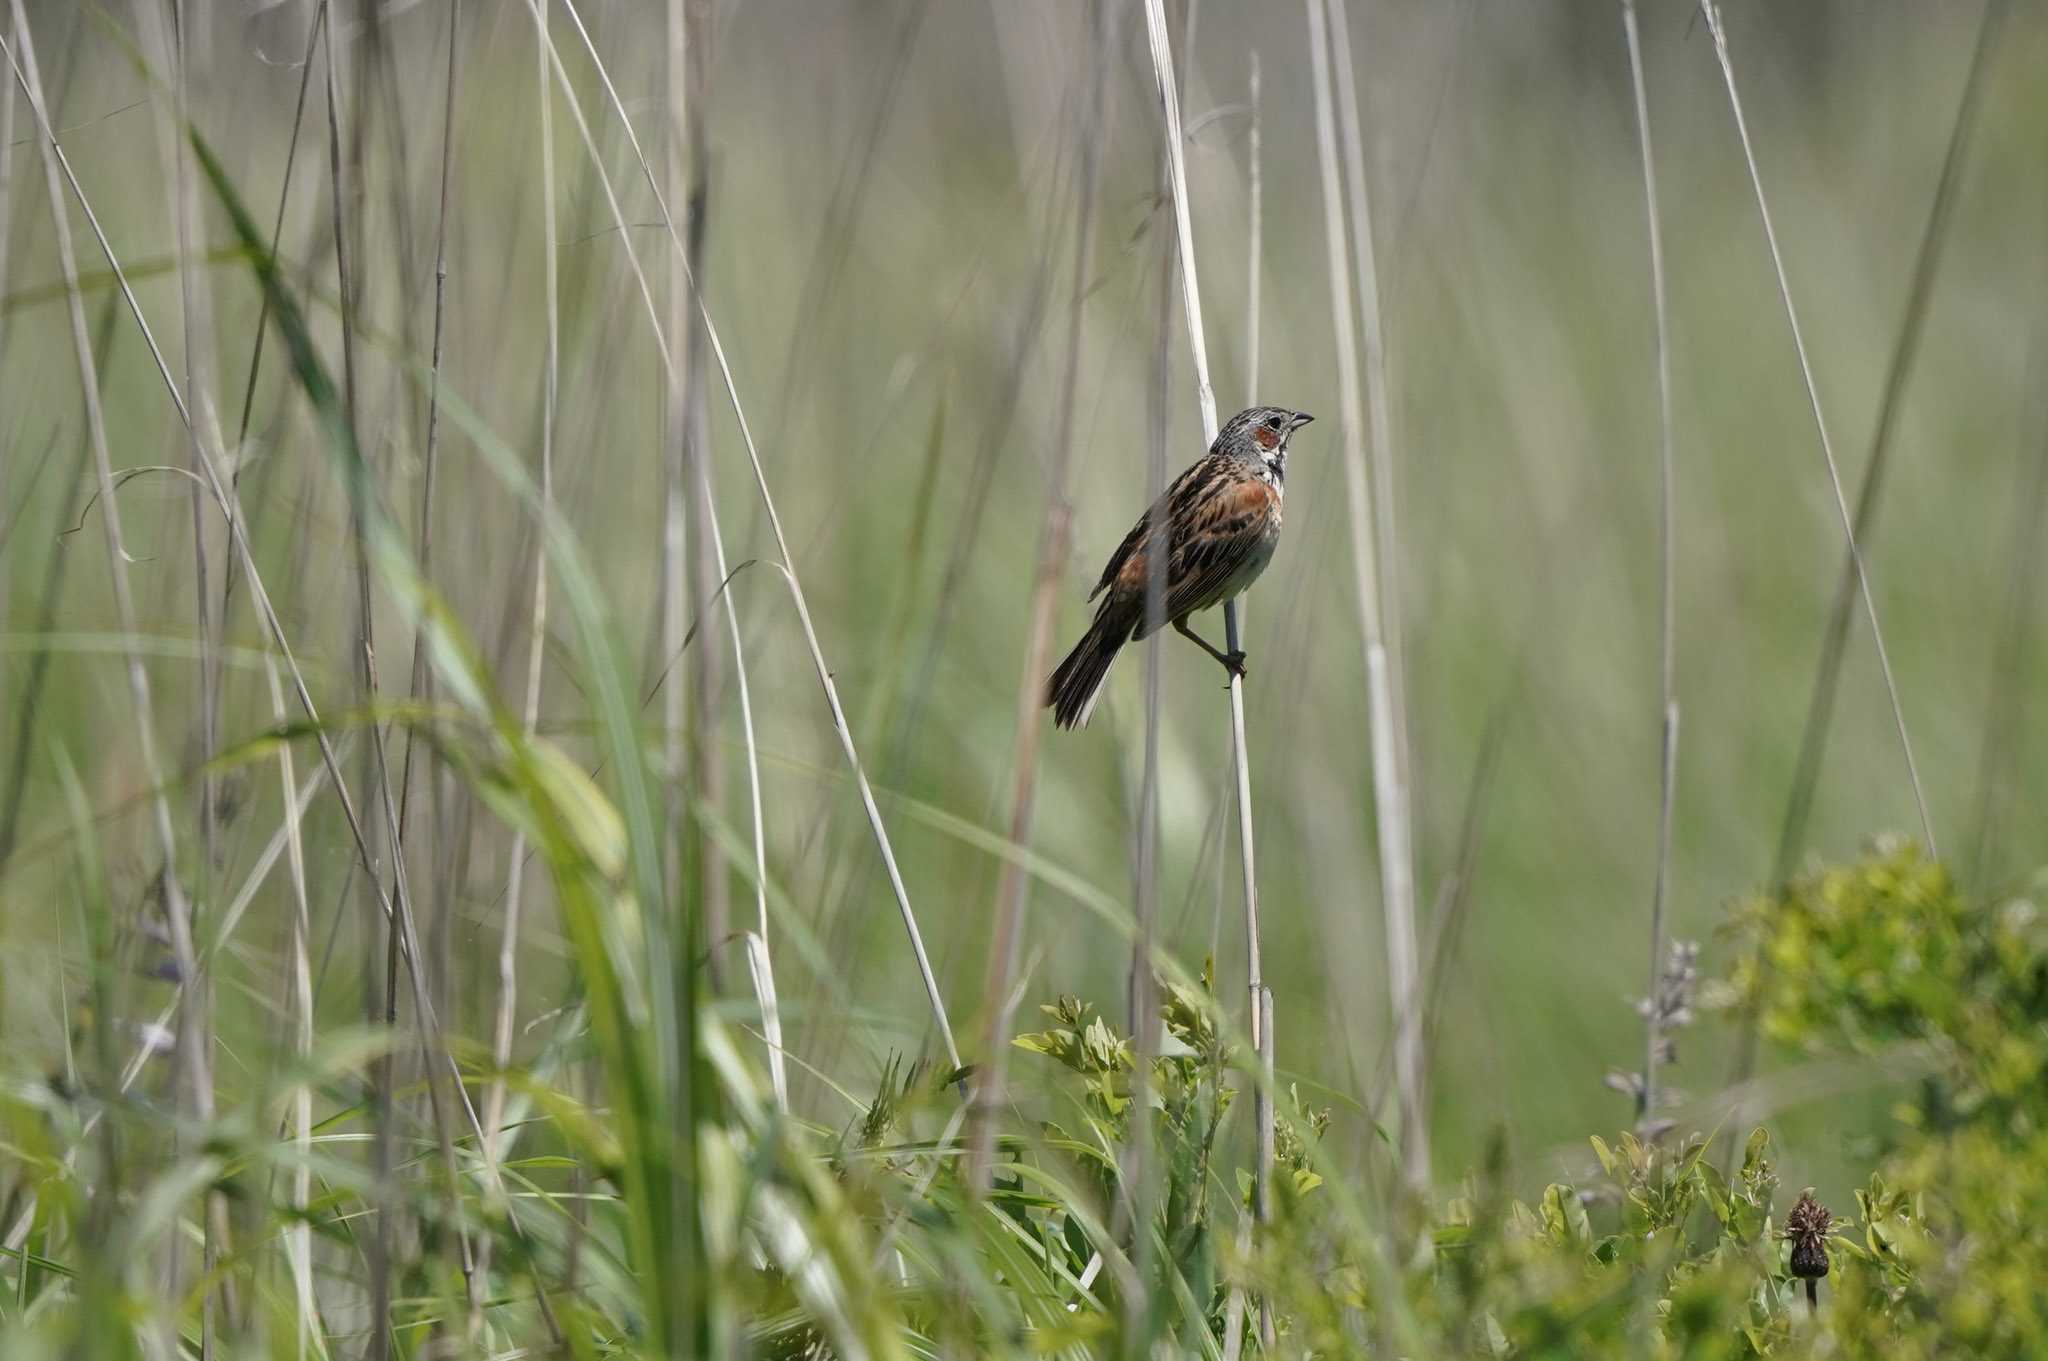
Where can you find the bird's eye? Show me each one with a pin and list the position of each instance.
(1272, 422)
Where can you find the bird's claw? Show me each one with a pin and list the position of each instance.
(1234, 663)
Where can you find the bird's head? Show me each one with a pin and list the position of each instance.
(1260, 434)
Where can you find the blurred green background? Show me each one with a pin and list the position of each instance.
(888, 236)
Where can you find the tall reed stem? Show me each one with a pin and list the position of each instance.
(1390, 800)
(422, 673)
(692, 572)
(298, 1238)
(537, 625)
(1234, 1307)
(1667, 784)
(1198, 350)
(1387, 658)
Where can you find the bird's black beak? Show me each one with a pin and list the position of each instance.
(1301, 418)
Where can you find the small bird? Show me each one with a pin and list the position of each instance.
(1221, 523)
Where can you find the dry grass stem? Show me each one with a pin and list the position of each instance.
(1393, 794)
(298, 1239)
(1389, 800)
(536, 633)
(422, 672)
(1667, 575)
(1176, 161)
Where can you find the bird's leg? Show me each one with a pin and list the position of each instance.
(1233, 662)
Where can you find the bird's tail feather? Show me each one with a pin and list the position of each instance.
(1077, 682)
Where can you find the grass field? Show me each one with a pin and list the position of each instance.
(526, 527)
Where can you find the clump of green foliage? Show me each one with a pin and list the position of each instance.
(1664, 1247)
(1661, 1254)
(1886, 954)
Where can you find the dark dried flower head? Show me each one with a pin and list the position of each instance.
(1807, 1228)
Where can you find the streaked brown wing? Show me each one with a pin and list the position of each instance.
(1191, 486)
(1223, 531)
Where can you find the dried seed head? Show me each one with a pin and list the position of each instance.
(1807, 1228)
(1627, 1083)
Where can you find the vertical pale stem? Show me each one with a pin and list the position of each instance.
(707, 556)
(1255, 237)
(1177, 172)
(1233, 1314)
(1191, 297)
(401, 938)
(383, 1079)
(1141, 1010)
(675, 590)
(177, 51)
(1397, 849)
(1176, 160)
(691, 570)
(1390, 804)
(422, 672)
(6, 220)
(537, 630)
(1267, 1094)
(1646, 1097)
(690, 64)
(299, 1235)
